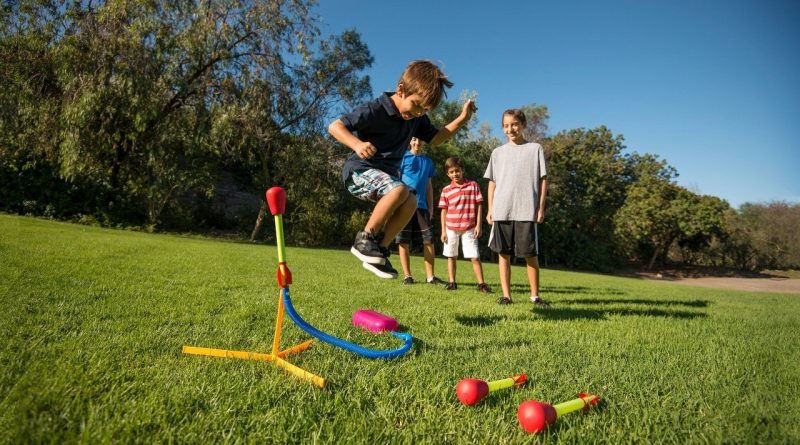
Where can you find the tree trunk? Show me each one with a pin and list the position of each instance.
(653, 259)
(262, 212)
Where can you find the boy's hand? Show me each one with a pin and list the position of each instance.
(365, 150)
(444, 237)
(469, 108)
(539, 215)
(489, 218)
(477, 231)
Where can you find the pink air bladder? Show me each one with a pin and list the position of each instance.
(374, 321)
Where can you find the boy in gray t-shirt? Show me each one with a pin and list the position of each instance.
(517, 188)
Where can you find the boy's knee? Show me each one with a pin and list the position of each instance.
(399, 193)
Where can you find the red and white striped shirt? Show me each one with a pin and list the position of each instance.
(461, 202)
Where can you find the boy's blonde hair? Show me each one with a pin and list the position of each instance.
(454, 161)
(424, 78)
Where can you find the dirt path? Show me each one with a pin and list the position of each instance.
(766, 284)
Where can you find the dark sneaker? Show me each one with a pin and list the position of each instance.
(451, 286)
(538, 302)
(483, 287)
(384, 250)
(381, 270)
(504, 300)
(366, 249)
(436, 280)
(408, 280)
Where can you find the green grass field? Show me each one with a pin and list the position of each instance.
(93, 322)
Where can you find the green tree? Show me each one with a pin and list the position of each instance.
(648, 220)
(146, 101)
(702, 221)
(586, 175)
(536, 117)
(658, 213)
(773, 234)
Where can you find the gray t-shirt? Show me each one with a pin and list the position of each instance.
(516, 171)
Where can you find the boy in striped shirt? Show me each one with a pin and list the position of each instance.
(460, 202)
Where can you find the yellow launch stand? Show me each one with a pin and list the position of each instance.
(276, 197)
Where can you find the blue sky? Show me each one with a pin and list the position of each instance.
(713, 87)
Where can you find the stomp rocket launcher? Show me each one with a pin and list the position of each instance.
(276, 198)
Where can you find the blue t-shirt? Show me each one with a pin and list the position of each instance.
(416, 170)
(379, 122)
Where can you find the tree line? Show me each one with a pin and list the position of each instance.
(177, 115)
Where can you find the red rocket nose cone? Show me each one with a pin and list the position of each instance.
(535, 416)
(471, 391)
(276, 198)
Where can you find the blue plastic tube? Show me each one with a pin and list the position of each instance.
(352, 347)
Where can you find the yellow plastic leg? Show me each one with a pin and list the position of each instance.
(300, 372)
(245, 355)
(295, 349)
(278, 322)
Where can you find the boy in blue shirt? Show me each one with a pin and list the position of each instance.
(416, 172)
(379, 132)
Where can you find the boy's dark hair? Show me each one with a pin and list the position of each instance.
(517, 114)
(423, 77)
(455, 161)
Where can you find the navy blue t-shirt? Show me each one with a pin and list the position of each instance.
(379, 122)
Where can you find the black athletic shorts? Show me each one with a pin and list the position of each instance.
(418, 229)
(518, 238)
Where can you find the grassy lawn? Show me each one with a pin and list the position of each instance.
(93, 323)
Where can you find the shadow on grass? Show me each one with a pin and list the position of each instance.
(525, 289)
(692, 303)
(478, 321)
(491, 343)
(521, 288)
(555, 313)
(418, 347)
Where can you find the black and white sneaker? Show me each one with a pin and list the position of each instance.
(538, 302)
(366, 248)
(384, 270)
(436, 280)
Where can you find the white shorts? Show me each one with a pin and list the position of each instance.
(469, 243)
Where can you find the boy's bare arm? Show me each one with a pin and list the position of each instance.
(490, 201)
(444, 226)
(364, 150)
(479, 222)
(542, 197)
(430, 198)
(448, 130)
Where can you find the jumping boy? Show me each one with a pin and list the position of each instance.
(416, 172)
(517, 188)
(460, 202)
(379, 132)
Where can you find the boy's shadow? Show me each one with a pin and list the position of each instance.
(692, 303)
(570, 290)
(480, 321)
(557, 312)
